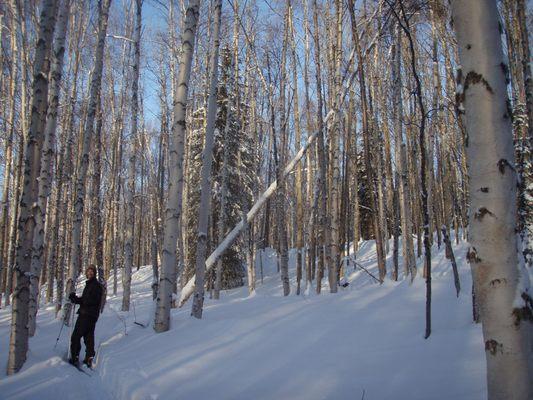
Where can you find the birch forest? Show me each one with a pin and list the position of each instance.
(277, 153)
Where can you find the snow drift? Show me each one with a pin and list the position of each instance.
(364, 342)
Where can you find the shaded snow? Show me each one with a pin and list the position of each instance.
(366, 338)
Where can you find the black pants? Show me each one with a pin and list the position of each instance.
(84, 327)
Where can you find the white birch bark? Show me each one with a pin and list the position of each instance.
(18, 343)
(130, 187)
(401, 160)
(299, 174)
(311, 208)
(500, 283)
(280, 150)
(167, 276)
(47, 159)
(323, 239)
(335, 149)
(9, 162)
(81, 174)
(207, 164)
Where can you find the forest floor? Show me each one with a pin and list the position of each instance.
(365, 342)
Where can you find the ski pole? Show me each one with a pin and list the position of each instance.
(72, 310)
(120, 318)
(135, 317)
(58, 336)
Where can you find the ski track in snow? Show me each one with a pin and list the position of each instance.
(367, 337)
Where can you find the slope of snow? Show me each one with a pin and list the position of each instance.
(364, 342)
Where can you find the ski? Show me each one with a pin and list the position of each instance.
(78, 367)
(81, 370)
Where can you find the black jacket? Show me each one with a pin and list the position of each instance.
(90, 299)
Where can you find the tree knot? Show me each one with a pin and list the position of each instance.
(481, 212)
(497, 281)
(473, 78)
(504, 163)
(524, 313)
(471, 255)
(492, 346)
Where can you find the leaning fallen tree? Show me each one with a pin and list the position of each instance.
(230, 238)
(188, 289)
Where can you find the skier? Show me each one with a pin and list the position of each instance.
(89, 311)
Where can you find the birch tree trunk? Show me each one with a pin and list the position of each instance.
(116, 182)
(279, 158)
(167, 276)
(18, 344)
(355, 177)
(81, 174)
(334, 151)
(97, 210)
(13, 239)
(449, 250)
(311, 214)
(423, 165)
(401, 162)
(13, 225)
(47, 159)
(501, 292)
(130, 187)
(207, 164)
(323, 232)
(9, 162)
(367, 146)
(299, 182)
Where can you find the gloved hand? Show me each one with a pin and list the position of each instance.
(72, 297)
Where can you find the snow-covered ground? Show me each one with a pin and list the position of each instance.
(364, 342)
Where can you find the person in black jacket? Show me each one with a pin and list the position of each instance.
(88, 312)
